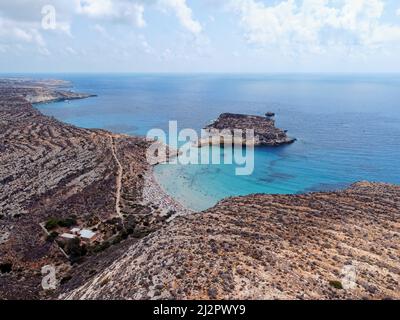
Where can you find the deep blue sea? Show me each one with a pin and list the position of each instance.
(347, 126)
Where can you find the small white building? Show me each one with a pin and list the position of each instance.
(87, 234)
(68, 236)
(75, 230)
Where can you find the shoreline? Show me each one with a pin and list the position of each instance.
(73, 172)
(154, 193)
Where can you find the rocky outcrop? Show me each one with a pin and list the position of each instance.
(223, 129)
(337, 245)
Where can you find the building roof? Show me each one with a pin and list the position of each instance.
(87, 234)
(68, 236)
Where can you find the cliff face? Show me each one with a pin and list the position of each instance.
(265, 132)
(267, 247)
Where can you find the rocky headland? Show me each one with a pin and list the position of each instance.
(223, 129)
(54, 176)
(41, 91)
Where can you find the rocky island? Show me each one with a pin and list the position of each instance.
(85, 202)
(265, 132)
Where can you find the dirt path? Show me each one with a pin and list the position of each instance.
(119, 180)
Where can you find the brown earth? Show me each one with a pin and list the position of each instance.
(267, 247)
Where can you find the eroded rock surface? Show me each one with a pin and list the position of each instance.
(267, 247)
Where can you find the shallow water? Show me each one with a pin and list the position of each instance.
(348, 127)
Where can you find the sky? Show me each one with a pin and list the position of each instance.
(228, 36)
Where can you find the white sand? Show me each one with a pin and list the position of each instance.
(154, 194)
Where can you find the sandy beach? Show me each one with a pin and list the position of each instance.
(155, 195)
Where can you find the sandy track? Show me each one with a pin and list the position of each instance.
(118, 179)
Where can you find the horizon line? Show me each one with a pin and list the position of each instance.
(204, 73)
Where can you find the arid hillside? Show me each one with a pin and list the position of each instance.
(54, 176)
(336, 245)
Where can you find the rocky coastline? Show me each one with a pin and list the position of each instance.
(148, 246)
(52, 171)
(41, 91)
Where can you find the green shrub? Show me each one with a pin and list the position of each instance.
(117, 239)
(67, 223)
(336, 284)
(124, 234)
(65, 279)
(75, 250)
(100, 247)
(51, 224)
(52, 236)
(6, 267)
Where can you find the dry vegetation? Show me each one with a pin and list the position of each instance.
(266, 247)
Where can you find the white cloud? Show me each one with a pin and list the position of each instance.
(398, 12)
(29, 13)
(21, 24)
(20, 20)
(118, 10)
(71, 51)
(12, 31)
(145, 46)
(95, 8)
(44, 51)
(313, 25)
(102, 31)
(183, 13)
(133, 11)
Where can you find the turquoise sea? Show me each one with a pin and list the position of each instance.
(347, 126)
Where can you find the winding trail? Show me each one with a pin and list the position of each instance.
(118, 180)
